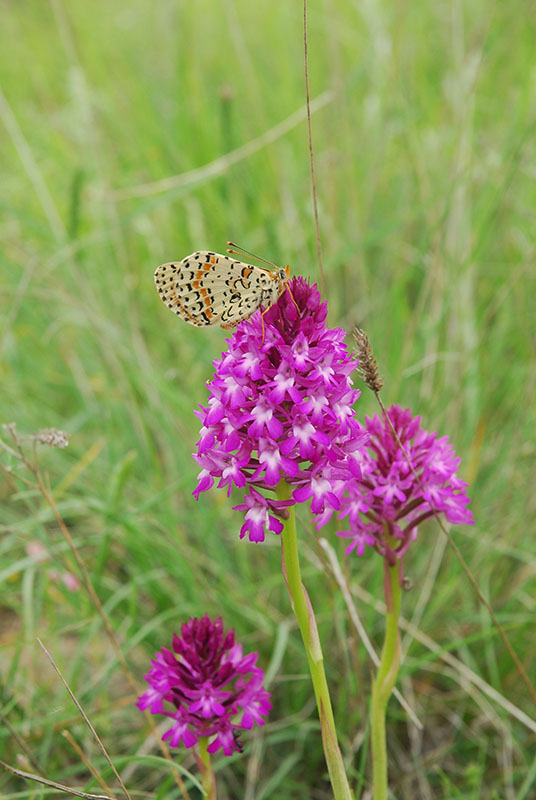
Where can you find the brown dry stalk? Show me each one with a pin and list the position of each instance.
(60, 786)
(85, 718)
(368, 369)
(85, 760)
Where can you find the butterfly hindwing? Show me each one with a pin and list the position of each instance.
(206, 288)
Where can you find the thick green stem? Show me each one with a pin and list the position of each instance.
(385, 681)
(307, 624)
(208, 780)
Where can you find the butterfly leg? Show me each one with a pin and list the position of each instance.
(292, 298)
(262, 323)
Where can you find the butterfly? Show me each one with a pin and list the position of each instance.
(207, 288)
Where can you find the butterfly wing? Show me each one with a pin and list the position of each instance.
(206, 288)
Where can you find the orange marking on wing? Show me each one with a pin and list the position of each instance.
(196, 284)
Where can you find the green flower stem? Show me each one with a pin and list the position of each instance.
(385, 681)
(208, 780)
(307, 624)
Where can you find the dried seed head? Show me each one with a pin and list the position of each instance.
(51, 436)
(368, 368)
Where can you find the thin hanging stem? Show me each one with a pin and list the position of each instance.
(311, 153)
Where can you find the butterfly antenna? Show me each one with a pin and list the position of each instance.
(241, 251)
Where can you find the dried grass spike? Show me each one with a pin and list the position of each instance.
(368, 367)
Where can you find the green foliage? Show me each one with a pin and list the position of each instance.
(425, 168)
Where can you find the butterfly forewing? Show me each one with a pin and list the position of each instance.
(210, 289)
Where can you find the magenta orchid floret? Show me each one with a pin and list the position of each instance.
(385, 507)
(280, 408)
(212, 688)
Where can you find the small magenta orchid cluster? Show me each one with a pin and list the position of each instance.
(409, 475)
(210, 684)
(280, 427)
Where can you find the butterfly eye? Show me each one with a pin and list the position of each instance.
(282, 275)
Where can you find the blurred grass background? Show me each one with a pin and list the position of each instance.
(425, 156)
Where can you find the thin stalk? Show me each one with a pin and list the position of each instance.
(307, 624)
(385, 680)
(208, 780)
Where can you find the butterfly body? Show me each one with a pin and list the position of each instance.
(206, 288)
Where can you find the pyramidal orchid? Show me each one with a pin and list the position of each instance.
(401, 487)
(207, 687)
(281, 409)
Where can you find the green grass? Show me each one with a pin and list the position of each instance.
(425, 159)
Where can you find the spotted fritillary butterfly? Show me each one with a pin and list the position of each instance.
(209, 289)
